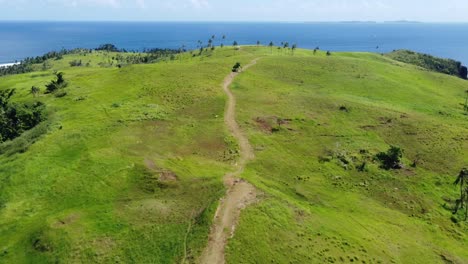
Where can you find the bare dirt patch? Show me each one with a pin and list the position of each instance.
(163, 174)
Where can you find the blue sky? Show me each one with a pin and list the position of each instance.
(236, 10)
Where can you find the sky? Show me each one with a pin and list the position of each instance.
(236, 10)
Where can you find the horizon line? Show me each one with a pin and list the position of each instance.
(241, 21)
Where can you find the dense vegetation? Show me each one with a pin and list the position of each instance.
(131, 168)
(16, 118)
(46, 60)
(447, 66)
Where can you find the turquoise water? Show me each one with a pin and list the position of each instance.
(25, 39)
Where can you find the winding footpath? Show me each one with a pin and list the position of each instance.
(239, 192)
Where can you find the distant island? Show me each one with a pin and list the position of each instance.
(367, 22)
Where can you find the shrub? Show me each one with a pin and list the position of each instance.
(55, 85)
(76, 63)
(237, 67)
(391, 159)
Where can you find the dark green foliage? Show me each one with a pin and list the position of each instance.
(148, 56)
(26, 65)
(108, 47)
(462, 181)
(237, 67)
(293, 48)
(446, 66)
(391, 159)
(328, 53)
(463, 72)
(76, 63)
(55, 85)
(55, 55)
(35, 90)
(15, 69)
(21, 144)
(17, 118)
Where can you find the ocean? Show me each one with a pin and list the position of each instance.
(26, 39)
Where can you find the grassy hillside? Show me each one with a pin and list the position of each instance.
(128, 168)
(426, 61)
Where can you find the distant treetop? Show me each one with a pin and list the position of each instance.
(108, 47)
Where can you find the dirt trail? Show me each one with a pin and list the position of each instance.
(239, 192)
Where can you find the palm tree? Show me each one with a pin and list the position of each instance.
(294, 47)
(271, 46)
(462, 180)
(35, 91)
(466, 101)
(286, 45)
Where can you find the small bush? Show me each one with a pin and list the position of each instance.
(76, 63)
(55, 85)
(391, 159)
(344, 108)
(237, 67)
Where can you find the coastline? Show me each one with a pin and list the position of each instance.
(4, 65)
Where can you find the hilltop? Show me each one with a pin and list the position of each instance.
(129, 161)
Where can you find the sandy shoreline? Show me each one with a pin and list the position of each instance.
(2, 65)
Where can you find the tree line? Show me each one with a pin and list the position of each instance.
(146, 56)
(16, 118)
(446, 66)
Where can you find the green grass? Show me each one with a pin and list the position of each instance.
(86, 188)
(317, 209)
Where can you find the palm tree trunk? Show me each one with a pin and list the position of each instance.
(462, 193)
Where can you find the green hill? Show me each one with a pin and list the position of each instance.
(129, 165)
(426, 61)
